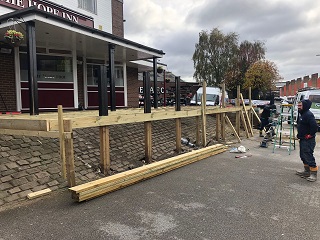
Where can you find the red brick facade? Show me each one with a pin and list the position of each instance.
(117, 18)
(133, 87)
(7, 86)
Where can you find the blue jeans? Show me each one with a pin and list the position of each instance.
(306, 151)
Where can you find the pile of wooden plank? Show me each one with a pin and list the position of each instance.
(108, 184)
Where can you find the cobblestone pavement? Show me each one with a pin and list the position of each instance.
(30, 164)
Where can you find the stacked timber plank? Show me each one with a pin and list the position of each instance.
(108, 184)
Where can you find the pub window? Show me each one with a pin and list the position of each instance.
(93, 75)
(49, 68)
(88, 5)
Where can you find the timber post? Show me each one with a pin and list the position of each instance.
(105, 161)
(223, 115)
(68, 135)
(61, 141)
(238, 112)
(203, 113)
(178, 120)
(148, 141)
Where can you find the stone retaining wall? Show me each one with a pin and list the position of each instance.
(30, 164)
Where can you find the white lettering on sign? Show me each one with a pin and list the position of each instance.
(159, 90)
(41, 6)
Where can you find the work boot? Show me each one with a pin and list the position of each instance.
(313, 174)
(305, 173)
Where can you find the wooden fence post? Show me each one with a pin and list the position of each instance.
(238, 112)
(61, 141)
(69, 153)
(148, 141)
(105, 150)
(203, 113)
(178, 135)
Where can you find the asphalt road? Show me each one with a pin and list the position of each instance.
(222, 197)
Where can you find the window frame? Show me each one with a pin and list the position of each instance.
(83, 4)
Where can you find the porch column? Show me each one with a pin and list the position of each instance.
(32, 66)
(102, 91)
(155, 84)
(146, 92)
(178, 104)
(112, 48)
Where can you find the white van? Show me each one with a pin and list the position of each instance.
(213, 96)
(314, 96)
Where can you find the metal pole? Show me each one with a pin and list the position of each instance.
(155, 83)
(178, 105)
(112, 77)
(32, 66)
(146, 92)
(103, 91)
(164, 86)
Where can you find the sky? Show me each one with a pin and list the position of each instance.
(290, 30)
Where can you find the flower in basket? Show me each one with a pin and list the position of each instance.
(160, 69)
(13, 35)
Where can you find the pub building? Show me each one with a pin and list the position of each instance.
(73, 54)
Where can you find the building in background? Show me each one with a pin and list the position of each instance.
(68, 47)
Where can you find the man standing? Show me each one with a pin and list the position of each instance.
(307, 128)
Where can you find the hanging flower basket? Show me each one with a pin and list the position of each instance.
(13, 37)
(159, 70)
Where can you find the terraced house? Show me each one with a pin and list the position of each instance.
(66, 49)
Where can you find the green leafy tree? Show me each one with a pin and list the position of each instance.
(214, 56)
(248, 54)
(261, 77)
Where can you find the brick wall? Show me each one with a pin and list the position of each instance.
(117, 18)
(133, 87)
(7, 86)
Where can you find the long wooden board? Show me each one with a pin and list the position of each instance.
(108, 184)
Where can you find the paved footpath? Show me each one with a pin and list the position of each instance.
(221, 197)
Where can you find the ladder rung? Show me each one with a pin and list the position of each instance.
(286, 114)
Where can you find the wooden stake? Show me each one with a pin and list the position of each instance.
(255, 114)
(178, 135)
(218, 126)
(61, 141)
(244, 124)
(148, 141)
(250, 105)
(69, 153)
(223, 115)
(105, 150)
(198, 131)
(238, 113)
(203, 114)
(246, 113)
(233, 129)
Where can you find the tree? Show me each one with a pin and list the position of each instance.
(261, 77)
(248, 53)
(214, 56)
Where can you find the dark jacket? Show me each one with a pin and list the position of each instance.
(306, 121)
(266, 113)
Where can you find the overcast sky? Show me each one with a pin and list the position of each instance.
(289, 28)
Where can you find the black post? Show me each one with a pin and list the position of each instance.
(112, 48)
(178, 105)
(155, 84)
(103, 91)
(146, 92)
(32, 66)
